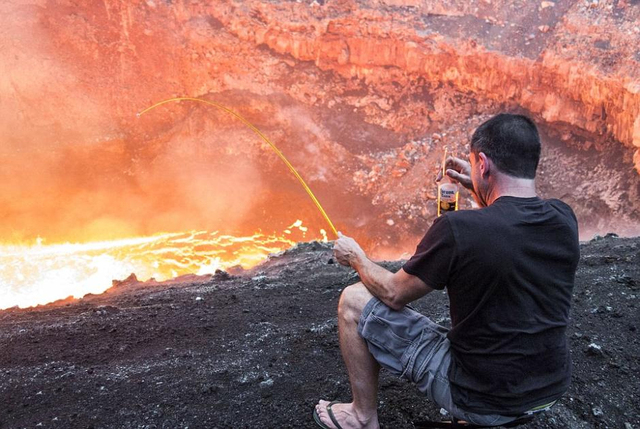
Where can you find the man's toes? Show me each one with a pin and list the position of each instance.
(321, 410)
(321, 406)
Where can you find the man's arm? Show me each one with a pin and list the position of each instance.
(395, 290)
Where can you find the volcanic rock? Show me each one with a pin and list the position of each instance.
(594, 349)
(222, 275)
(129, 281)
(271, 353)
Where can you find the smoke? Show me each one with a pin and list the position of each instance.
(108, 191)
(75, 164)
(42, 111)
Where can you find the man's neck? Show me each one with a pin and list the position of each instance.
(508, 186)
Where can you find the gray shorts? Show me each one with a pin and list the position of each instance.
(411, 346)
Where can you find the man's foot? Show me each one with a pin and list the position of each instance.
(347, 416)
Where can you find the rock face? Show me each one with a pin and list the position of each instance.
(361, 96)
(549, 58)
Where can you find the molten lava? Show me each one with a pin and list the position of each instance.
(38, 274)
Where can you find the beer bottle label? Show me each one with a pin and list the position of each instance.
(447, 198)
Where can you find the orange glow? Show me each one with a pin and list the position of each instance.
(38, 274)
(259, 133)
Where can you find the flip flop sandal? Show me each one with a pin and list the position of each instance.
(316, 417)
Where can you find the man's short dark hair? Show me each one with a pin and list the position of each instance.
(511, 142)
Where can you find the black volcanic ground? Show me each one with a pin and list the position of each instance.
(258, 349)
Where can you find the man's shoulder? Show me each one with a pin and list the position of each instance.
(559, 204)
(470, 215)
(564, 210)
(506, 211)
(478, 221)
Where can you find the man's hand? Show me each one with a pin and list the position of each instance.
(347, 251)
(459, 170)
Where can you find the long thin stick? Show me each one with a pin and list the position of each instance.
(259, 133)
(444, 162)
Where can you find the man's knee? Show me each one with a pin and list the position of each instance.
(353, 300)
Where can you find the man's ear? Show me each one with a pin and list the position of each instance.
(484, 164)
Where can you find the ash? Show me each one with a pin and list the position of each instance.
(257, 348)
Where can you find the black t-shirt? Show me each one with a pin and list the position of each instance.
(509, 270)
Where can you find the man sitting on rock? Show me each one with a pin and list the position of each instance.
(509, 270)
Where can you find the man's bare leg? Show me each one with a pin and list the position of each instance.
(362, 367)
